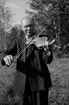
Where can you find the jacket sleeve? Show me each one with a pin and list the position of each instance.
(47, 56)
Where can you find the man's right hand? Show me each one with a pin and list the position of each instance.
(8, 59)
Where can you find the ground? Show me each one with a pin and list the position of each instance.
(58, 93)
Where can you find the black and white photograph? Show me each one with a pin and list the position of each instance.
(34, 52)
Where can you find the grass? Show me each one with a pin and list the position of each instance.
(8, 96)
(58, 93)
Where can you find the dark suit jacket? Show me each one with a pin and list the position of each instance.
(35, 67)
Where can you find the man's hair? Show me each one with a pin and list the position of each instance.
(30, 18)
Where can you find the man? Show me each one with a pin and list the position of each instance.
(33, 65)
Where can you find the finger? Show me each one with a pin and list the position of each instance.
(6, 61)
(9, 58)
(46, 43)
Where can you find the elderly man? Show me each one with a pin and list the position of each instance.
(32, 63)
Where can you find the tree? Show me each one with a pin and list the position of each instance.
(13, 34)
(5, 17)
(53, 13)
(45, 12)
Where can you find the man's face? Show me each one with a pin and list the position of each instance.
(28, 27)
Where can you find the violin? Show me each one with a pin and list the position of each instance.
(40, 42)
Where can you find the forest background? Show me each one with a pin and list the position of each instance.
(55, 15)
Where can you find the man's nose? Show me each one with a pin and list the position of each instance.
(28, 28)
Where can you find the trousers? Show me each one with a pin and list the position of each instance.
(35, 97)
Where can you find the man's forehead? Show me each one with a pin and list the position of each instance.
(27, 21)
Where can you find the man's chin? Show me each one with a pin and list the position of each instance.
(29, 35)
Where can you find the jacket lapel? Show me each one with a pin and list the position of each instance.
(29, 51)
